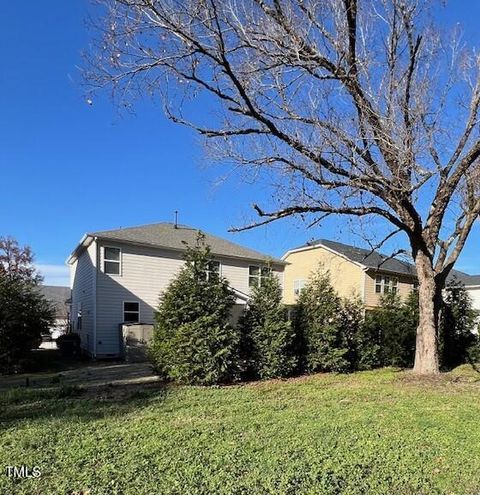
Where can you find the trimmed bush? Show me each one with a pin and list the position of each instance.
(390, 332)
(319, 322)
(69, 344)
(193, 340)
(267, 335)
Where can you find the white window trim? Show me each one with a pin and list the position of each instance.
(120, 261)
(298, 286)
(79, 316)
(123, 311)
(220, 266)
(259, 276)
(382, 284)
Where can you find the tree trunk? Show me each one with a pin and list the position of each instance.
(426, 352)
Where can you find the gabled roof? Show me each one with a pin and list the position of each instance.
(57, 296)
(379, 261)
(474, 280)
(169, 236)
(364, 257)
(464, 278)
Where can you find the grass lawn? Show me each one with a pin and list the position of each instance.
(379, 432)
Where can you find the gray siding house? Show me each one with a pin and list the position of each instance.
(118, 276)
(59, 298)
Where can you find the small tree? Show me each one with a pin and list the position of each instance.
(267, 335)
(393, 328)
(24, 313)
(193, 341)
(319, 326)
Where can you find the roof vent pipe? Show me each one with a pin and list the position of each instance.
(175, 225)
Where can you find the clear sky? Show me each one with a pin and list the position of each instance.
(67, 168)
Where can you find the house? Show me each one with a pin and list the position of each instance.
(472, 285)
(59, 298)
(358, 272)
(118, 276)
(354, 272)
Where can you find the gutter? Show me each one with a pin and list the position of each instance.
(274, 261)
(357, 263)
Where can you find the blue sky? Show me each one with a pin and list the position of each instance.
(68, 168)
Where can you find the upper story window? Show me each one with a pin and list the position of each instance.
(213, 268)
(111, 260)
(298, 286)
(256, 274)
(131, 312)
(385, 284)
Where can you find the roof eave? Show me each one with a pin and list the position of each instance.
(396, 272)
(84, 242)
(306, 248)
(361, 265)
(179, 250)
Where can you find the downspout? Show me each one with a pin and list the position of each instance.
(94, 310)
(364, 283)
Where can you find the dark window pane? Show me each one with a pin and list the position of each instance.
(265, 271)
(214, 266)
(112, 254)
(254, 270)
(112, 267)
(130, 306)
(378, 289)
(130, 317)
(253, 281)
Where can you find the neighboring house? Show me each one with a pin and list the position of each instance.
(59, 298)
(472, 285)
(354, 272)
(358, 272)
(118, 276)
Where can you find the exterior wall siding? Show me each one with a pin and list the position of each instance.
(145, 274)
(346, 276)
(82, 283)
(474, 293)
(372, 299)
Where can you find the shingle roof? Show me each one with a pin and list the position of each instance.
(366, 257)
(165, 235)
(381, 261)
(464, 278)
(474, 279)
(57, 296)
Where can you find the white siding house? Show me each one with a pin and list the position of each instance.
(118, 276)
(473, 288)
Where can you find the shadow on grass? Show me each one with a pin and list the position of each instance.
(77, 403)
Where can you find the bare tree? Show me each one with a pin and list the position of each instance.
(16, 262)
(355, 107)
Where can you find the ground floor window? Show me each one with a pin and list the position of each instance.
(79, 316)
(131, 312)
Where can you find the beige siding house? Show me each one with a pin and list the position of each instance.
(354, 272)
(357, 272)
(118, 277)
